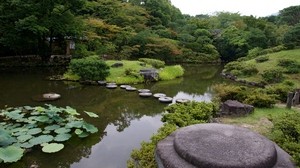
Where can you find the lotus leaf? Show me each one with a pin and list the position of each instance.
(78, 131)
(26, 145)
(75, 124)
(71, 111)
(30, 125)
(28, 108)
(91, 114)
(62, 137)
(42, 118)
(14, 115)
(39, 109)
(41, 139)
(52, 127)
(34, 131)
(53, 108)
(23, 138)
(83, 135)
(52, 147)
(17, 129)
(5, 138)
(46, 132)
(21, 132)
(11, 154)
(90, 128)
(62, 130)
(35, 113)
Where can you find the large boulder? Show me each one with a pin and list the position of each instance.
(219, 146)
(235, 108)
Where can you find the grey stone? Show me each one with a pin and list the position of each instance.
(117, 64)
(233, 107)
(296, 99)
(289, 100)
(219, 146)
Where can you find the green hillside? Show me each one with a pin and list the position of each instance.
(286, 63)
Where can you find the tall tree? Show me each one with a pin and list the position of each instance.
(30, 27)
(290, 15)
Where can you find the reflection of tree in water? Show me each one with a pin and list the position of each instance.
(124, 119)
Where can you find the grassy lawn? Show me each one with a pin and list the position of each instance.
(119, 76)
(259, 120)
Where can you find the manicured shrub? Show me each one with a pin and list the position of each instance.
(254, 96)
(272, 75)
(260, 99)
(171, 72)
(261, 59)
(249, 69)
(230, 92)
(290, 66)
(286, 133)
(240, 68)
(179, 115)
(280, 90)
(132, 72)
(188, 114)
(90, 68)
(154, 62)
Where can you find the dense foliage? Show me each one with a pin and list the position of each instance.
(286, 133)
(25, 127)
(154, 62)
(89, 68)
(138, 29)
(255, 96)
(179, 115)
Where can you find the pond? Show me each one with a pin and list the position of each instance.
(125, 119)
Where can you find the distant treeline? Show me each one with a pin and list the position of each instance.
(132, 29)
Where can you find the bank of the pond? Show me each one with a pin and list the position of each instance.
(128, 72)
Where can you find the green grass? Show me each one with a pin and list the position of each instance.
(259, 120)
(171, 72)
(272, 63)
(118, 74)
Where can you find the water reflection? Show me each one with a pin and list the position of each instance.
(125, 119)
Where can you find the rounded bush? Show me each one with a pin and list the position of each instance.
(89, 68)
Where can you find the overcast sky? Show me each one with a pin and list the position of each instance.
(244, 7)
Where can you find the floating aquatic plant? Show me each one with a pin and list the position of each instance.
(25, 127)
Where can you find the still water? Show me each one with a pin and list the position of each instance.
(125, 119)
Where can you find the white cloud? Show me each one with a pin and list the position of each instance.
(244, 7)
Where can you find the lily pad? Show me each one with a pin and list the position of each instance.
(42, 118)
(52, 127)
(62, 137)
(23, 138)
(75, 124)
(90, 128)
(41, 139)
(83, 135)
(78, 131)
(34, 131)
(11, 154)
(62, 130)
(71, 111)
(91, 114)
(26, 145)
(5, 138)
(52, 147)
